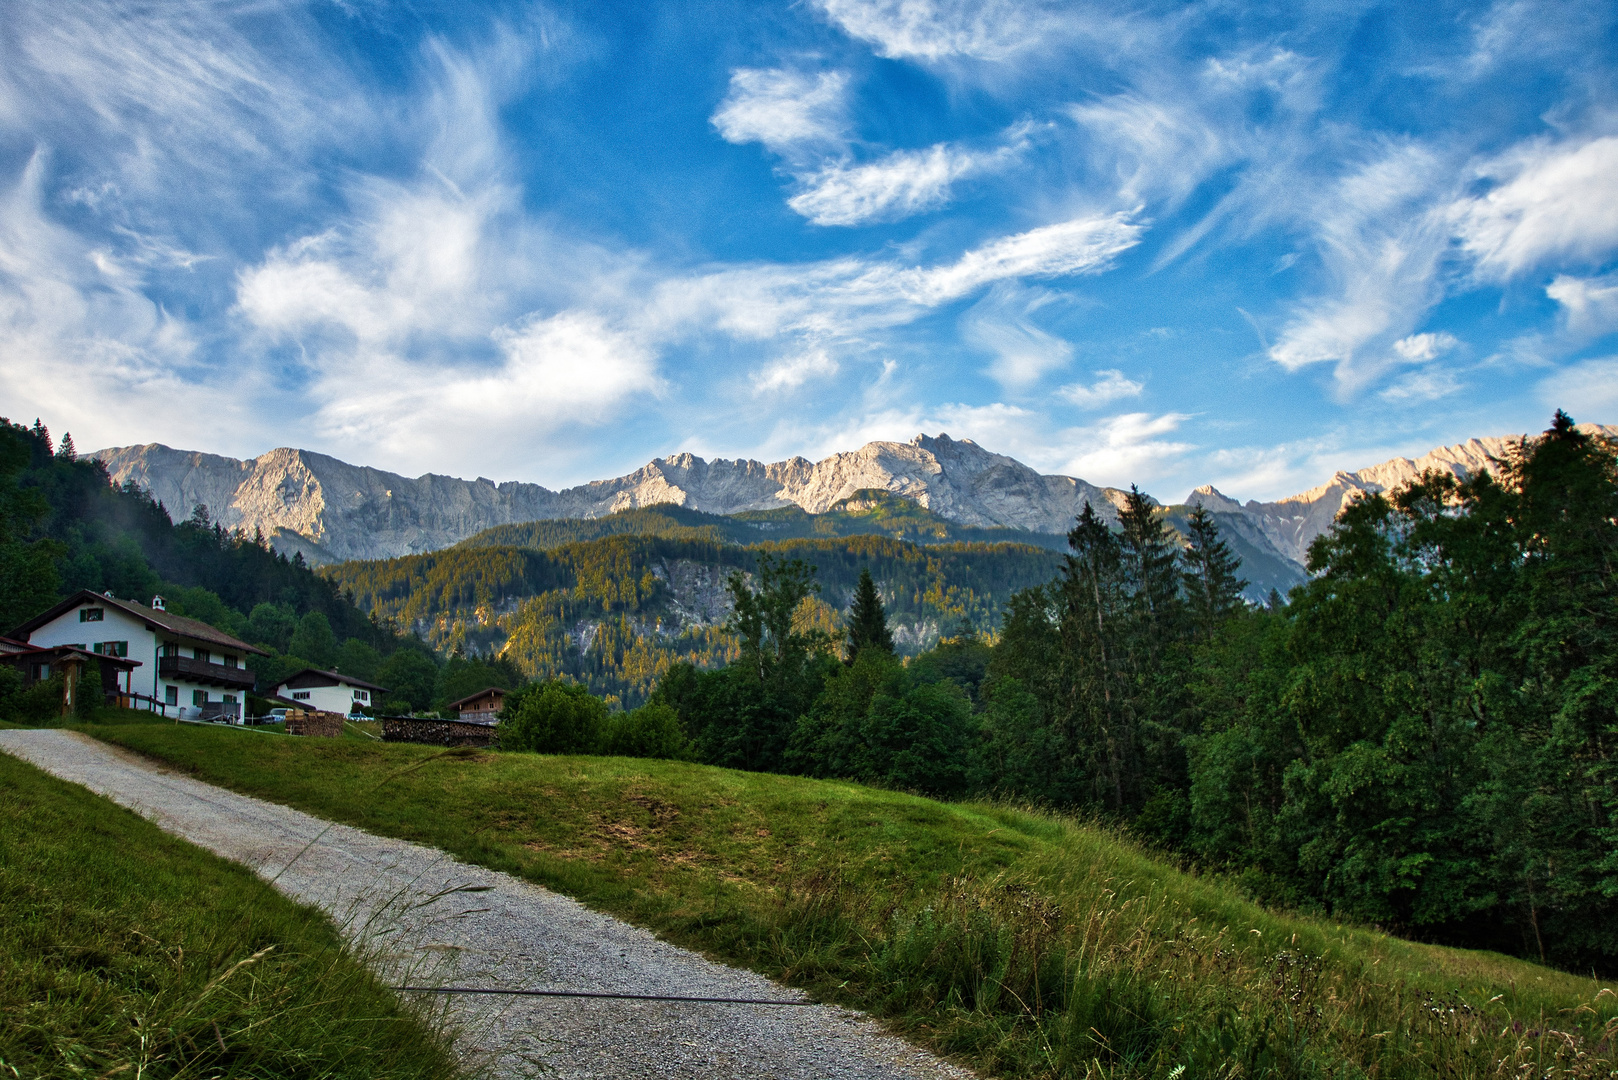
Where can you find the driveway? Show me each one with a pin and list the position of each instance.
(421, 917)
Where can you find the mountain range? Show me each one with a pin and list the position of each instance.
(332, 511)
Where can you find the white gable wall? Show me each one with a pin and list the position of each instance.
(339, 699)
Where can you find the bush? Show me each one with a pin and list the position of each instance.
(40, 703)
(553, 718)
(651, 731)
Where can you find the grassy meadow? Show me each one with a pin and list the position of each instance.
(125, 952)
(1021, 943)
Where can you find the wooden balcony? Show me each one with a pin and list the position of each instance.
(193, 670)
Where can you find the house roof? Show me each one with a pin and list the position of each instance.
(28, 652)
(468, 699)
(316, 677)
(195, 629)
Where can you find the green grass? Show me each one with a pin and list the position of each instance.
(126, 952)
(1022, 943)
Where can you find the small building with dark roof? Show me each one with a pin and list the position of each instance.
(327, 691)
(482, 707)
(191, 670)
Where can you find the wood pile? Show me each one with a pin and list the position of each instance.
(327, 725)
(435, 732)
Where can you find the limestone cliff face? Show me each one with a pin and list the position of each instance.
(331, 510)
(326, 508)
(1290, 525)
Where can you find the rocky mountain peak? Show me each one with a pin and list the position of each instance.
(331, 510)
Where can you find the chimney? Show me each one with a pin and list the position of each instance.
(157, 604)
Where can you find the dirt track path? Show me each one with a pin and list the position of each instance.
(507, 934)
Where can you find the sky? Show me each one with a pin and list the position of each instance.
(1167, 244)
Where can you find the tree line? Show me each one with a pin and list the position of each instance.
(1424, 735)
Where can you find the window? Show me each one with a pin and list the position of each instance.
(362, 695)
(170, 649)
(199, 697)
(228, 699)
(171, 695)
(230, 659)
(112, 648)
(41, 672)
(300, 695)
(92, 614)
(201, 654)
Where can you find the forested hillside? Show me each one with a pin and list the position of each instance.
(865, 513)
(64, 526)
(617, 611)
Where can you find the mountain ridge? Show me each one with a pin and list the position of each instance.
(333, 511)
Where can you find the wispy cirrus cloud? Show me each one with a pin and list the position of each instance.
(803, 118)
(898, 185)
(1381, 242)
(1110, 385)
(792, 113)
(943, 30)
(1549, 201)
(841, 298)
(1589, 304)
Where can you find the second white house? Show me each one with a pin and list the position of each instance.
(327, 691)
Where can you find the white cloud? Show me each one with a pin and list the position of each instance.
(1428, 384)
(1419, 348)
(554, 373)
(1551, 201)
(1151, 147)
(84, 346)
(1590, 305)
(1110, 386)
(1129, 448)
(844, 298)
(1381, 241)
(934, 30)
(1588, 390)
(562, 363)
(790, 112)
(414, 262)
(1002, 325)
(803, 118)
(903, 183)
(791, 372)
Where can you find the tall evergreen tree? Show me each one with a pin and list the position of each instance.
(867, 620)
(1213, 591)
(1089, 709)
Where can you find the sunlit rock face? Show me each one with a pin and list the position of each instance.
(330, 510)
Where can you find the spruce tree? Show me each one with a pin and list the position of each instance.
(867, 621)
(1212, 589)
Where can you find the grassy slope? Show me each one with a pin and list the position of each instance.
(1026, 944)
(125, 951)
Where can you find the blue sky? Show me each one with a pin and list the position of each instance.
(1170, 244)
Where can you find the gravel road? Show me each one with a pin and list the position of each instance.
(390, 899)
